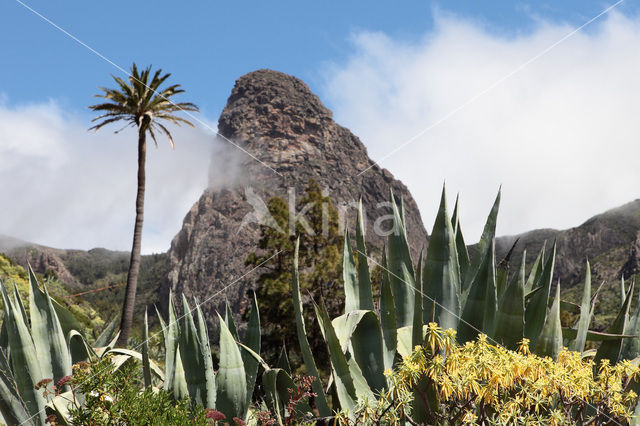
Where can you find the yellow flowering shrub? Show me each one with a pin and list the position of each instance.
(481, 383)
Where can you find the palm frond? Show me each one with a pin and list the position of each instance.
(166, 132)
(104, 123)
(153, 135)
(138, 96)
(174, 119)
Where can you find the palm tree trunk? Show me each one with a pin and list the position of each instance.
(134, 264)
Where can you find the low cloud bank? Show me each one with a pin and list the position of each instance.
(63, 186)
(562, 135)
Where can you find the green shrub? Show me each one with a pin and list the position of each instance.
(114, 397)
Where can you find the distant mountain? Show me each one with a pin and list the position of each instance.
(611, 242)
(97, 275)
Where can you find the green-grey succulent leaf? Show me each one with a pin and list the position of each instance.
(79, 347)
(307, 355)
(461, 246)
(481, 304)
(178, 382)
(207, 360)
(24, 358)
(283, 361)
(11, 406)
(399, 254)
(488, 234)
(191, 355)
(536, 271)
(550, 340)
(279, 386)
(631, 347)
(509, 326)
(584, 320)
(387, 317)
(611, 349)
(441, 275)
(349, 381)
(108, 333)
(365, 291)
(252, 339)
(48, 337)
(502, 270)
(67, 320)
(231, 381)
(174, 381)
(536, 309)
(146, 370)
(595, 336)
(120, 356)
(416, 337)
(360, 333)
(229, 321)
(350, 277)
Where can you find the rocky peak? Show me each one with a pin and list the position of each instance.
(291, 138)
(632, 265)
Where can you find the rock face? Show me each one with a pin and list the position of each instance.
(609, 240)
(276, 119)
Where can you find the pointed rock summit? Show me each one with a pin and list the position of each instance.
(289, 137)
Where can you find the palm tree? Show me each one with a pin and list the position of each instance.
(139, 103)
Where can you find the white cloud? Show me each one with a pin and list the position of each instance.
(66, 187)
(562, 135)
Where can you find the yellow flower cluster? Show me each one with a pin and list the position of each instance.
(480, 382)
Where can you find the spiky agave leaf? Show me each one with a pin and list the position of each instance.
(536, 271)
(365, 292)
(351, 386)
(207, 360)
(550, 340)
(488, 233)
(610, 349)
(502, 270)
(461, 246)
(399, 255)
(585, 314)
(536, 309)
(146, 369)
(359, 333)
(416, 335)
(481, 303)
(509, 325)
(441, 275)
(191, 355)
(24, 358)
(231, 380)
(307, 355)
(350, 277)
(252, 339)
(388, 321)
(48, 337)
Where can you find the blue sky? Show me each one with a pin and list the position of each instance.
(451, 72)
(207, 45)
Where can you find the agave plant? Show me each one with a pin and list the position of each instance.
(189, 368)
(469, 294)
(42, 345)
